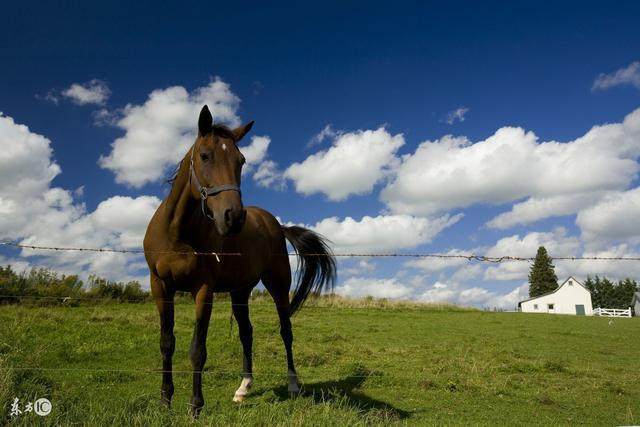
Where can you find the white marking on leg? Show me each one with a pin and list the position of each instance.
(294, 387)
(244, 388)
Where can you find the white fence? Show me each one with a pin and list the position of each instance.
(612, 312)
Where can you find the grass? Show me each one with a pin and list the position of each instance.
(360, 363)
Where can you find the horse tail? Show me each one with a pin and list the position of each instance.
(316, 264)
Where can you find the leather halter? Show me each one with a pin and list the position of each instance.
(205, 192)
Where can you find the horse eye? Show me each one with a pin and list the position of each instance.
(204, 157)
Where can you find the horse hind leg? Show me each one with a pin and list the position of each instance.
(240, 308)
(278, 286)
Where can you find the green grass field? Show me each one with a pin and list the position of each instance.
(357, 365)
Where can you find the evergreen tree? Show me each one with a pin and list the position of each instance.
(623, 293)
(606, 294)
(542, 277)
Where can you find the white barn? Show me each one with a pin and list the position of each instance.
(570, 298)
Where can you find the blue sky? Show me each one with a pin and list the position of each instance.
(382, 80)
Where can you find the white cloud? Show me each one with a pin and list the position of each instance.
(269, 175)
(353, 165)
(534, 209)
(326, 133)
(612, 269)
(265, 172)
(629, 75)
(26, 168)
(512, 165)
(615, 217)
(126, 218)
(358, 287)
(105, 117)
(359, 267)
(457, 115)
(159, 132)
(92, 92)
(34, 212)
(468, 272)
(255, 152)
(381, 234)
(557, 243)
(439, 292)
(432, 265)
(473, 296)
(416, 289)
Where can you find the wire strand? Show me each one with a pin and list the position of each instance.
(469, 257)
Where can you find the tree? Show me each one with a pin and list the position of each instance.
(623, 293)
(606, 294)
(542, 277)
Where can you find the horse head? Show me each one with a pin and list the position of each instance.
(215, 173)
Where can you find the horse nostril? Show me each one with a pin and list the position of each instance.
(227, 217)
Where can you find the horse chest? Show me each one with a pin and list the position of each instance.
(176, 268)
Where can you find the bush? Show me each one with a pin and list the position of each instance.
(41, 286)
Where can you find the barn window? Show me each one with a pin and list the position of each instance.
(550, 306)
(570, 282)
(535, 306)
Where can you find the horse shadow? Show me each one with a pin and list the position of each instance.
(347, 391)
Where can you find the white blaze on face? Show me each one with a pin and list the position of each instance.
(224, 146)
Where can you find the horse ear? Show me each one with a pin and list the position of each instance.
(205, 122)
(243, 130)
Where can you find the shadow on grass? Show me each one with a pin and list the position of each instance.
(346, 391)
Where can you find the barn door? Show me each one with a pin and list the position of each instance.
(580, 309)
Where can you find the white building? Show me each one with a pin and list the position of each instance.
(570, 298)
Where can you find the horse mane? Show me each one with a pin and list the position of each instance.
(218, 130)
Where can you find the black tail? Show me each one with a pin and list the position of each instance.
(317, 266)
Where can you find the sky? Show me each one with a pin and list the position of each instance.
(426, 127)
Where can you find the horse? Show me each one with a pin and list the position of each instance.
(203, 216)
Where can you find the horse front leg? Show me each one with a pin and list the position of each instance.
(198, 351)
(164, 303)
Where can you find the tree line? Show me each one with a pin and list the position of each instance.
(41, 286)
(604, 292)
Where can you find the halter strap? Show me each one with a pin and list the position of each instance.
(205, 192)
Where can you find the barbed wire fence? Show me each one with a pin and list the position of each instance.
(218, 255)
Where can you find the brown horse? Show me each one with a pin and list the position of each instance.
(203, 213)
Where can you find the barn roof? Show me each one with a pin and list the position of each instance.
(558, 288)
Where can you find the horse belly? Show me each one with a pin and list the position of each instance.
(234, 275)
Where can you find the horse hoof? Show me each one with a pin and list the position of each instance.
(238, 398)
(195, 411)
(294, 393)
(165, 402)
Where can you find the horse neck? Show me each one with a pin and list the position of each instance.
(180, 203)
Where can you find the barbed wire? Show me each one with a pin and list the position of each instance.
(469, 257)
